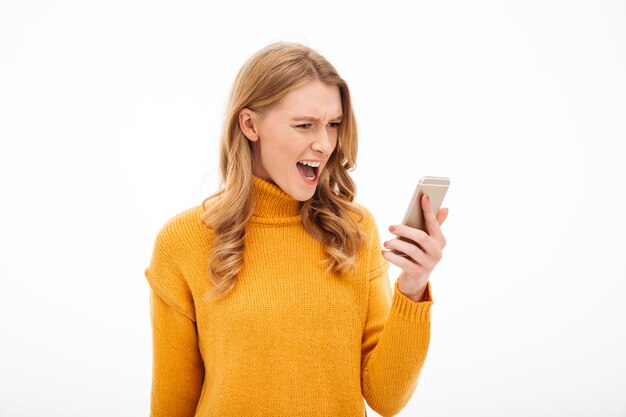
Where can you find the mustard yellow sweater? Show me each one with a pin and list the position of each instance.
(291, 339)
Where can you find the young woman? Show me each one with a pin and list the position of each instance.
(271, 298)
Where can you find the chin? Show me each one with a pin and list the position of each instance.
(301, 195)
(301, 191)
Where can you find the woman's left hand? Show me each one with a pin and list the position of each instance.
(422, 259)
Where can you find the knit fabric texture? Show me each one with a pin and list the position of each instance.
(291, 339)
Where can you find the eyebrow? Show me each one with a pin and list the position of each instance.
(314, 119)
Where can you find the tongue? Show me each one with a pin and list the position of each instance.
(306, 170)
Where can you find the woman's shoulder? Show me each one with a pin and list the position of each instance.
(184, 228)
(365, 218)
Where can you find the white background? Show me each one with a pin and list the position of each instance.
(110, 114)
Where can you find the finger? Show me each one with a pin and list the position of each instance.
(416, 235)
(412, 251)
(432, 226)
(442, 216)
(426, 242)
(405, 264)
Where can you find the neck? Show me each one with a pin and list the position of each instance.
(270, 201)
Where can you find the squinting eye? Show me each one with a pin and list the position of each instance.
(334, 125)
(304, 126)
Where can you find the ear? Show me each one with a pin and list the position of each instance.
(247, 124)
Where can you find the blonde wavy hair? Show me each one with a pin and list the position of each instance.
(264, 79)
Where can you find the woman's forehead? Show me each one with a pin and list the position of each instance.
(313, 100)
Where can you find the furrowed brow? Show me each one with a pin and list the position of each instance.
(315, 119)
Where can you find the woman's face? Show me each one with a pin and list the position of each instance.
(292, 142)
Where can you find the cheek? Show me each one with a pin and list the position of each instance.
(335, 141)
(280, 148)
(271, 139)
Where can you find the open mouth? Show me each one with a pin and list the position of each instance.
(309, 169)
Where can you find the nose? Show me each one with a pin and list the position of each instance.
(324, 143)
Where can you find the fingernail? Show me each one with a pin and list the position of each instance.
(427, 198)
(392, 228)
(385, 244)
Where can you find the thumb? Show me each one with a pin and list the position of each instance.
(442, 215)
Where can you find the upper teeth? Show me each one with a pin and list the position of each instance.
(311, 163)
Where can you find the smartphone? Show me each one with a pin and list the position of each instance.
(436, 188)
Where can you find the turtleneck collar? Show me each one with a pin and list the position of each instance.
(271, 202)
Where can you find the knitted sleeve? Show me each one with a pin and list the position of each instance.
(395, 338)
(164, 275)
(177, 367)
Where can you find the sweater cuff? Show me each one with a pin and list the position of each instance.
(411, 310)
